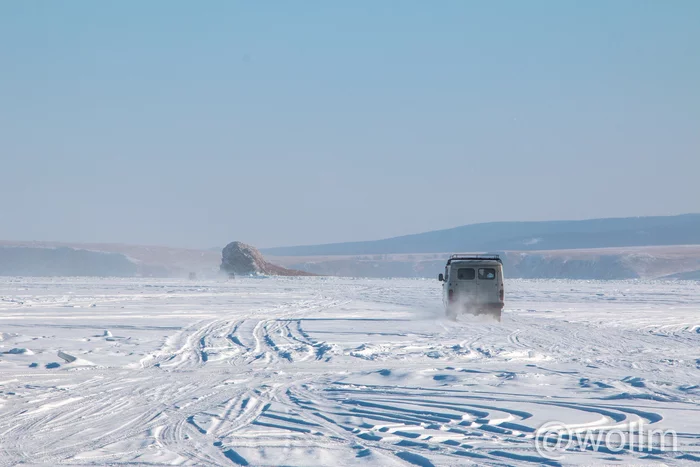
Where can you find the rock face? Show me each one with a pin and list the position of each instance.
(239, 259)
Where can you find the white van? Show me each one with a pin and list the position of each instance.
(473, 284)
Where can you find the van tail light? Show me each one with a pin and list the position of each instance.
(451, 295)
(500, 295)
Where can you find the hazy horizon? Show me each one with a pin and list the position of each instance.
(175, 124)
(217, 247)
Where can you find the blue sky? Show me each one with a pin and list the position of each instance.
(278, 123)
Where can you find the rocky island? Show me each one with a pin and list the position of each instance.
(240, 259)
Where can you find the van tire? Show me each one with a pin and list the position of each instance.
(451, 314)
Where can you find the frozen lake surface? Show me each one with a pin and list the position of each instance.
(330, 371)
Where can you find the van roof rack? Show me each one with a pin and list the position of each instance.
(463, 256)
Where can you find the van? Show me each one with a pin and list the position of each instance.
(473, 284)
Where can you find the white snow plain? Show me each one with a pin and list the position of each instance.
(331, 371)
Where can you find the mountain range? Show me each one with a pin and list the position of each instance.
(522, 236)
(619, 248)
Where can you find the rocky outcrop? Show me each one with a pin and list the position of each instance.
(239, 259)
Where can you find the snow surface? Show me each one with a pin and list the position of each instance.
(330, 371)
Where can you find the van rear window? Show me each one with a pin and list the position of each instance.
(466, 274)
(487, 273)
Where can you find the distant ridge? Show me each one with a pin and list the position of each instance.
(523, 236)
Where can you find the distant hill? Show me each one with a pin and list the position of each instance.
(689, 275)
(63, 261)
(643, 262)
(30, 258)
(522, 236)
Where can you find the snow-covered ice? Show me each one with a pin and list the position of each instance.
(330, 371)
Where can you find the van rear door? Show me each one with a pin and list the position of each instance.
(487, 282)
(463, 282)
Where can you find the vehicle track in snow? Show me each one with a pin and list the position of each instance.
(327, 371)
